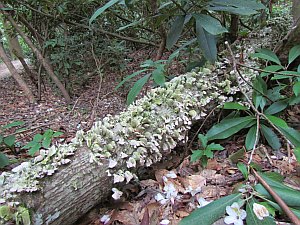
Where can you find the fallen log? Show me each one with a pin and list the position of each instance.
(65, 181)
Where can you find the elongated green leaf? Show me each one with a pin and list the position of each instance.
(271, 137)
(10, 140)
(294, 100)
(291, 134)
(290, 197)
(129, 77)
(159, 76)
(14, 124)
(4, 160)
(234, 105)
(243, 168)
(250, 138)
(239, 4)
(136, 89)
(267, 55)
(276, 206)
(203, 140)
(252, 218)
(234, 10)
(278, 122)
(207, 43)
(210, 213)
(131, 25)
(296, 88)
(46, 142)
(175, 31)
(270, 69)
(210, 24)
(260, 85)
(215, 147)
(196, 155)
(57, 134)
(34, 149)
(38, 137)
(289, 74)
(228, 127)
(29, 145)
(276, 107)
(1, 139)
(294, 53)
(102, 9)
(274, 180)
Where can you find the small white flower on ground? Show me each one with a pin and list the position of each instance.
(260, 211)
(171, 174)
(117, 194)
(202, 202)
(128, 176)
(105, 219)
(235, 214)
(164, 222)
(161, 199)
(171, 192)
(131, 162)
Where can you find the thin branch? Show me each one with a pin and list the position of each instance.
(295, 220)
(266, 71)
(256, 139)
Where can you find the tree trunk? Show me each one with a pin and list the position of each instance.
(39, 56)
(16, 75)
(293, 36)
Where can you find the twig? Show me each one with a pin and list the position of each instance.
(295, 220)
(266, 71)
(256, 140)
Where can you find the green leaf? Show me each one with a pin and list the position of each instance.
(14, 124)
(6, 212)
(38, 137)
(236, 6)
(270, 69)
(210, 213)
(271, 137)
(276, 107)
(267, 55)
(25, 216)
(297, 153)
(291, 134)
(294, 100)
(136, 89)
(203, 140)
(252, 218)
(102, 9)
(48, 133)
(294, 53)
(207, 43)
(274, 180)
(243, 168)
(290, 197)
(210, 24)
(289, 74)
(1, 139)
(296, 88)
(130, 24)
(250, 138)
(29, 145)
(215, 147)
(276, 206)
(196, 155)
(228, 127)
(258, 99)
(10, 140)
(57, 134)
(175, 31)
(46, 142)
(4, 160)
(234, 105)
(34, 149)
(278, 122)
(129, 77)
(208, 153)
(159, 76)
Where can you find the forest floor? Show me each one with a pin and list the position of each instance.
(218, 179)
